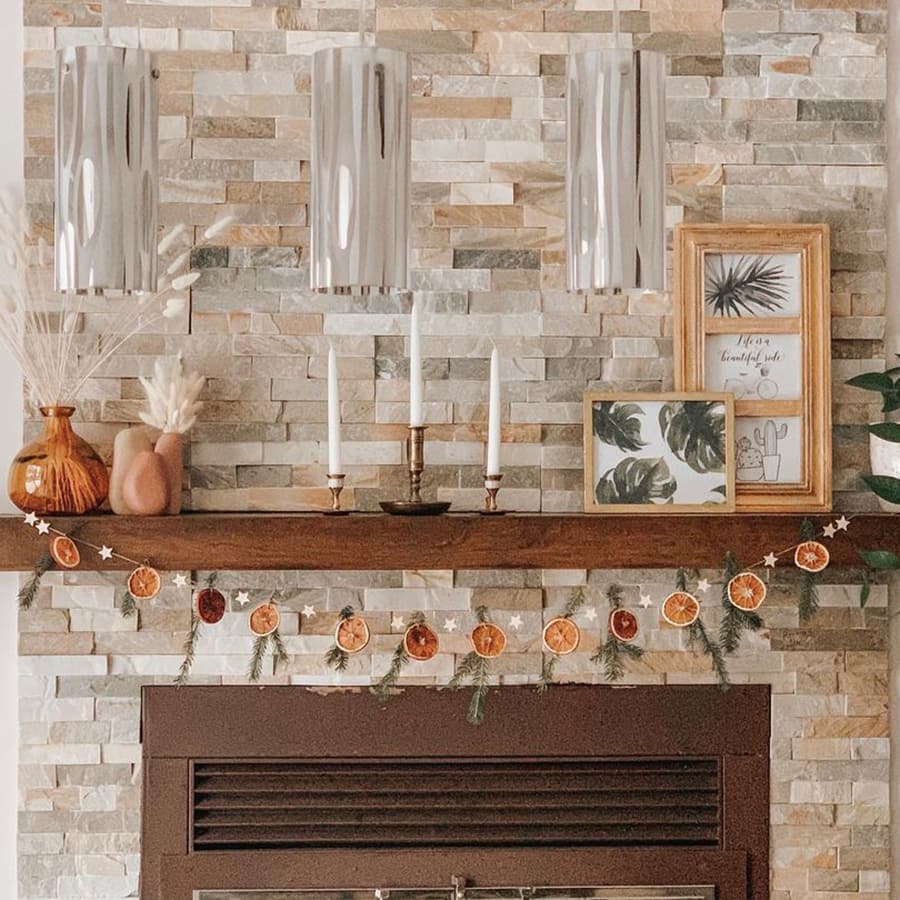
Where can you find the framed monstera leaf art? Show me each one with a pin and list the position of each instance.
(659, 453)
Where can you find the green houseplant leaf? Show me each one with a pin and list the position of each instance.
(872, 381)
(882, 560)
(618, 425)
(885, 486)
(636, 481)
(695, 432)
(887, 431)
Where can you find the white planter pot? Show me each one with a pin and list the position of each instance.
(885, 460)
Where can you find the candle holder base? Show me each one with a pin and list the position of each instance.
(414, 507)
(491, 489)
(336, 485)
(492, 512)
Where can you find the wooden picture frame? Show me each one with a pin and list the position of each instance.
(752, 316)
(632, 440)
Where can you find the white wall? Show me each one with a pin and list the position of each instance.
(11, 177)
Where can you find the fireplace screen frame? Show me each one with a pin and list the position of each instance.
(184, 726)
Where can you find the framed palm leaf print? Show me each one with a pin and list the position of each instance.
(658, 453)
(752, 318)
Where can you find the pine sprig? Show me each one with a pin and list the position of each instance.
(128, 606)
(190, 648)
(473, 668)
(576, 600)
(735, 621)
(335, 657)
(681, 580)
(279, 652)
(388, 681)
(808, 604)
(260, 645)
(481, 614)
(699, 637)
(614, 595)
(612, 655)
(28, 592)
(547, 671)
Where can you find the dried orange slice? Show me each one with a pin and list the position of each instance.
(623, 625)
(65, 552)
(144, 583)
(351, 634)
(811, 556)
(420, 642)
(747, 591)
(265, 619)
(680, 609)
(488, 639)
(210, 606)
(561, 636)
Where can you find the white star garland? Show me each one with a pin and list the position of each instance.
(450, 625)
(515, 622)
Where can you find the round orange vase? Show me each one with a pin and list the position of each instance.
(59, 474)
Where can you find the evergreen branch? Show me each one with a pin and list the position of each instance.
(808, 604)
(481, 613)
(347, 613)
(614, 596)
(611, 655)
(698, 636)
(577, 599)
(258, 656)
(279, 652)
(681, 580)
(128, 607)
(337, 659)
(547, 670)
(28, 592)
(473, 668)
(388, 681)
(190, 647)
(735, 621)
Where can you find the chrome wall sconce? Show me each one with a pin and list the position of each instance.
(615, 173)
(107, 169)
(360, 159)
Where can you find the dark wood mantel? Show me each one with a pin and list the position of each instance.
(369, 541)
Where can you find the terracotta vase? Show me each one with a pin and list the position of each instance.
(128, 444)
(60, 474)
(168, 446)
(146, 485)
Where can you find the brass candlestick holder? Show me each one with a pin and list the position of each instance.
(336, 485)
(415, 505)
(491, 489)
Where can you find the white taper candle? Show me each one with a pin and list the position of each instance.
(334, 417)
(416, 387)
(493, 446)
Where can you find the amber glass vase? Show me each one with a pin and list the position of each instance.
(59, 474)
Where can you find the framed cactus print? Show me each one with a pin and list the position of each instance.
(753, 319)
(659, 453)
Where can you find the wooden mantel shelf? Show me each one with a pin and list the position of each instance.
(370, 541)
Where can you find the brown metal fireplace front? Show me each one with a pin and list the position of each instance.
(610, 793)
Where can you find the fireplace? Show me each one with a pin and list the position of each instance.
(638, 793)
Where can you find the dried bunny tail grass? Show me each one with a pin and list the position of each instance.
(40, 326)
(172, 396)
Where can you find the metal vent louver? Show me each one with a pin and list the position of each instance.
(395, 803)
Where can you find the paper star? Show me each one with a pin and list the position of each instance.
(179, 581)
(842, 524)
(105, 552)
(515, 621)
(450, 625)
(309, 611)
(243, 598)
(590, 613)
(646, 602)
(703, 585)
(31, 519)
(829, 531)
(43, 527)
(770, 559)
(397, 623)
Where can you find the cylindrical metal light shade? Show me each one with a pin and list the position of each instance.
(359, 211)
(615, 177)
(107, 169)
